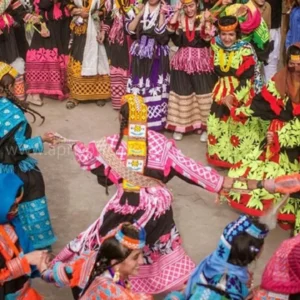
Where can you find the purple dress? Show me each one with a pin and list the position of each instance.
(150, 70)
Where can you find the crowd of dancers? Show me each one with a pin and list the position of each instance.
(221, 82)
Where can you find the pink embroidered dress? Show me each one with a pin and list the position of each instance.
(192, 78)
(47, 58)
(166, 265)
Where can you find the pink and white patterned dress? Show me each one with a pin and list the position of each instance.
(166, 265)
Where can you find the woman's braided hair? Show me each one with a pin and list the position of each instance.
(111, 249)
(124, 112)
(5, 83)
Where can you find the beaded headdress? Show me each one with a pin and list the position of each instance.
(242, 224)
(137, 136)
(126, 241)
(7, 69)
(231, 27)
(295, 57)
(186, 1)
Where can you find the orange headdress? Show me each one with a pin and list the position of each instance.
(186, 1)
(231, 27)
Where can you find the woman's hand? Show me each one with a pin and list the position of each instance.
(228, 101)
(228, 183)
(35, 19)
(270, 137)
(49, 138)
(164, 8)
(101, 37)
(207, 14)
(34, 258)
(75, 12)
(141, 11)
(44, 31)
(178, 6)
(84, 14)
(44, 262)
(80, 12)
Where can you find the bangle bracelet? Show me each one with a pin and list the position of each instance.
(260, 184)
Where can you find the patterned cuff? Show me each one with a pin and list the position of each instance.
(47, 275)
(38, 145)
(18, 267)
(219, 185)
(60, 275)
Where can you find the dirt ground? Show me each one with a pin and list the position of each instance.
(76, 200)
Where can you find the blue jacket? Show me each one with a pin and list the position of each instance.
(293, 35)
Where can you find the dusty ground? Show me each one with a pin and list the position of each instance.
(76, 200)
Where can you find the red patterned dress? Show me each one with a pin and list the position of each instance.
(192, 78)
(166, 265)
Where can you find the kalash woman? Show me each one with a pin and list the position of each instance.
(17, 256)
(281, 277)
(152, 160)
(231, 133)
(150, 76)
(47, 57)
(15, 145)
(103, 274)
(252, 25)
(278, 103)
(224, 274)
(118, 44)
(88, 69)
(12, 12)
(192, 71)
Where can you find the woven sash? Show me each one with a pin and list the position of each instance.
(118, 166)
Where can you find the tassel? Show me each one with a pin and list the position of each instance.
(270, 218)
(222, 283)
(57, 13)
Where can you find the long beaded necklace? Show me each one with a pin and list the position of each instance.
(147, 24)
(222, 60)
(190, 35)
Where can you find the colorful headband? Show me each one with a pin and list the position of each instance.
(295, 57)
(7, 69)
(130, 243)
(228, 27)
(242, 224)
(184, 2)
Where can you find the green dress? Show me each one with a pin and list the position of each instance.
(271, 161)
(228, 130)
